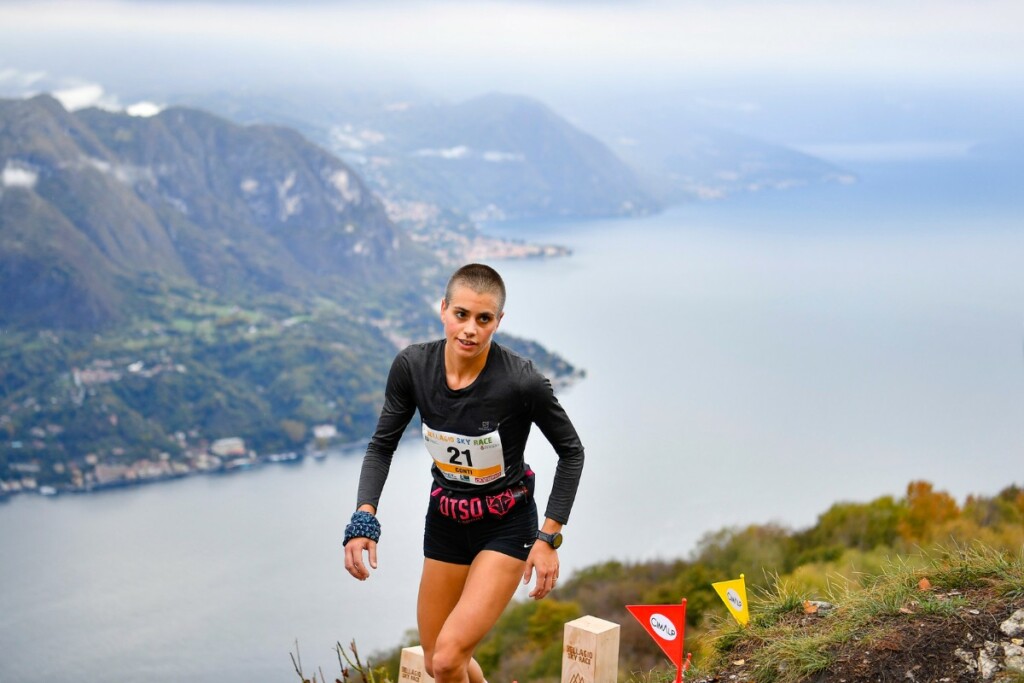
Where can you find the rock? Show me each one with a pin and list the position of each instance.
(1014, 625)
(817, 607)
(967, 658)
(988, 660)
(1014, 657)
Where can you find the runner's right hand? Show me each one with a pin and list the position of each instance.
(354, 557)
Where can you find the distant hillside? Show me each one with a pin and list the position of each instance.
(510, 156)
(416, 150)
(92, 199)
(493, 157)
(172, 281)
(698, 161)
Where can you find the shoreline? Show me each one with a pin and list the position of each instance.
(225, 466)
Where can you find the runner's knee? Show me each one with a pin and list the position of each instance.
(448, 662)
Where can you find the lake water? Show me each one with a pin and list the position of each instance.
(747, 362)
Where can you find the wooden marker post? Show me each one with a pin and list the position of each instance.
(411, 669)
(590, 651)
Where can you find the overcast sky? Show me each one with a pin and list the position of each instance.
(547, 49)
(927, 39)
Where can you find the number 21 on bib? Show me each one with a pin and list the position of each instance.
(470, 459)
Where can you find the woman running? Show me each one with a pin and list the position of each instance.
(477, 402)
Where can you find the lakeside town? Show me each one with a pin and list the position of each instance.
(455, 240)
(28, 470)
(218, 457)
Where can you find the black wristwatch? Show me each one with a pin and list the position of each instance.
(554, 540)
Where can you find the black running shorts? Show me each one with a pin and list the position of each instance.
(457, 527)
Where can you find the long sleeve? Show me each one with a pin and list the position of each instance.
(554, 423)
(399, 408)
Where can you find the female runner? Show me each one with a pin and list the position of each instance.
(477, 401)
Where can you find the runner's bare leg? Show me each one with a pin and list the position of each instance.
(457, 606)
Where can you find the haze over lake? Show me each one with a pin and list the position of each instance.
(748, 361)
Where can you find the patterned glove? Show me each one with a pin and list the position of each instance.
(363, 525)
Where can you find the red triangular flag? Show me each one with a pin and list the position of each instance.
(666, 624)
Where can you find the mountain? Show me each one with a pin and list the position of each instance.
(91, 198)
(173, 281)
(694, 160)
(493, 157)
(504, 156)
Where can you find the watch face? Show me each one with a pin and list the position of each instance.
(554, 540)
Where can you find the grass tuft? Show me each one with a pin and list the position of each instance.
(777, 601)
(784, 645)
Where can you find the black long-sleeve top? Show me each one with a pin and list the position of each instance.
(502, 403)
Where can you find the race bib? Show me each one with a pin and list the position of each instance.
(470, 459)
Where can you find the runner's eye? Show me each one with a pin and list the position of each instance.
(484, 319)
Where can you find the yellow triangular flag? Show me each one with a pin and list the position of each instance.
(734, 595)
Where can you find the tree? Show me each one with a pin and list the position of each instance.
(927, 510)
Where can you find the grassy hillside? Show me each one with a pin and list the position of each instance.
(146, 400)
(942, 616)
(865, 560)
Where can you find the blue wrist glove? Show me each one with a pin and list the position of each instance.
(363, 525)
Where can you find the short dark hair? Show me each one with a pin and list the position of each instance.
(481, 279)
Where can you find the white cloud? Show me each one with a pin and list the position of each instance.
(123, 173)
(503, 157)
(457, 152)
(464, 152)
(10, 77)
(16, 175)
(347, 138)
(346, 186)
(144, 109)
(85, 95)
(82, 96)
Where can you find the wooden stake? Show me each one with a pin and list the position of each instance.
(411, 669)
(590, 651)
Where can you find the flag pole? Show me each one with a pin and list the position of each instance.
(682, 645)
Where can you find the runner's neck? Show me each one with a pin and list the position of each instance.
(461, 373)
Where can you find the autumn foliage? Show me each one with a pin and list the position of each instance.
(851, 544)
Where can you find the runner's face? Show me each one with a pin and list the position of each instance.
(470, 319)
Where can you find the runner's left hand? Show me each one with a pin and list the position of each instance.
(544, 559)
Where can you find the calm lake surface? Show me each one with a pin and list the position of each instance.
(747, 362)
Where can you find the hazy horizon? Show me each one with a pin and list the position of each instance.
(925, 78)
